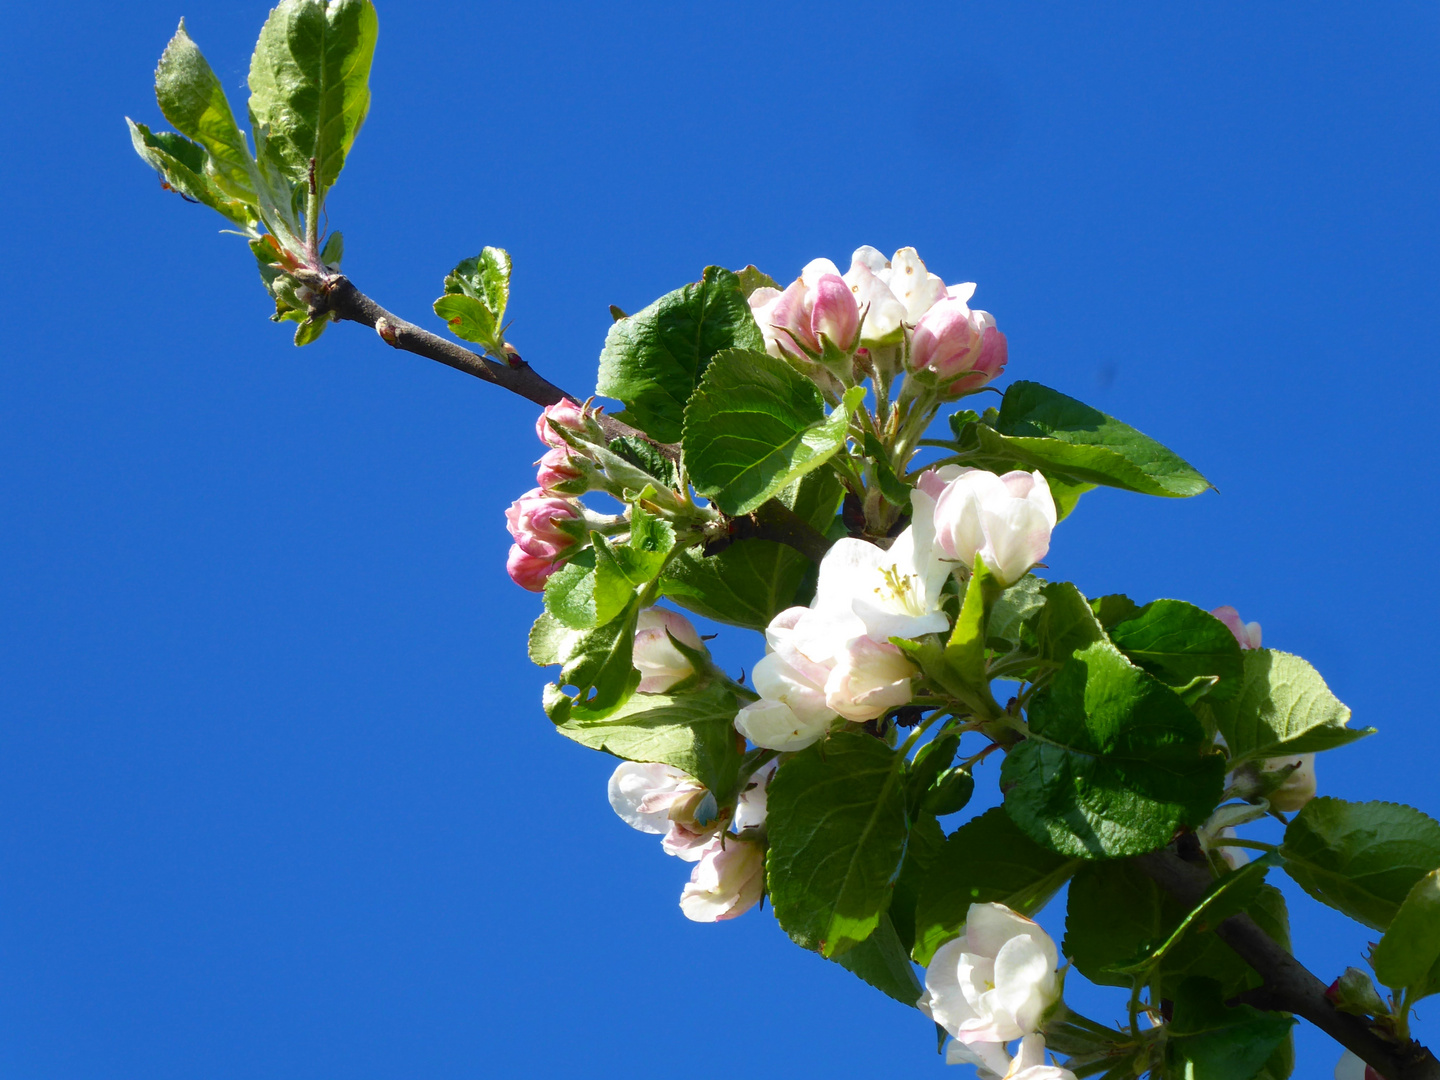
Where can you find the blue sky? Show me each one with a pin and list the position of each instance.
(277, 795)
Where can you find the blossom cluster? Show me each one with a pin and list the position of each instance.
(834, 660)
(872, 305)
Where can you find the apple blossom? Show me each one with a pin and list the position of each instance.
(963, 348)
(869, 678)
(891, 292)
(763, 302)
(990, 1059)
(530, 571)
(728, 880)
(791, 713)
(1298, 788)
(660, 663)
(1029, 1062)
(1006, 520)
(643, 793)
(835, 316)
(544, 525)
(996, 981)
(1247, 634)
(562, 414)
(750, 807)
(559, 467)
(1352, 1067)
(816, 307)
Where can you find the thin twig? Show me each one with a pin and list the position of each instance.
(1289, 986)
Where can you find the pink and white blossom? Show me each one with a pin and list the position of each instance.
(655, 798)
(1006, 520)
(728, 880)
(963, 348)
(1247, 634)
(530, 571)
(868, 680)
(558, 467)
(660, 663)
(995, 982)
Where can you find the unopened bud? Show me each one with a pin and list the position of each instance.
(834, 315)
(563, 414)
(1354, 992)
(544, 525)
(386, 329)
(960, 347)
(660, 663)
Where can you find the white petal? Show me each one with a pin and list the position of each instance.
(633, 783)
(774, 725)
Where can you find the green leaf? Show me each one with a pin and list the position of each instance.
(1360, 858)
(837, 830)
(1408, 956)
(921, 850)
(1211, 1041)
(1114, 609)
(653, 360)
(334, 249)
(476, 293)
(599, 667)
(751, 279)
(950, 793)
(1091, 446)
(551, 641)
(692, 729)
(1117, 916)
(1066, 624)
(1114, 762)
(986, 860)
(965, 651)
(647, 458)
(1012, 621)
(750, 582)
(1178, 643)
(756, 425)
(588, 591)
(309, 84)
(192, 99)
(882, 962)
(181, 164)
(1284, 707)
(310, 329)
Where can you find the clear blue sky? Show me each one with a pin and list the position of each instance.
(276, 794)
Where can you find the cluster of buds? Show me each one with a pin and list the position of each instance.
(547, 524)
(883, 307)
(996, 983)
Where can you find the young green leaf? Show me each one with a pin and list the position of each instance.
(1113, 764)
(837, 830)
(309, 84)
(653, 360)
(476, 293)
(1284, 707)
(756, 425)
(986, 860)
(181, 164)
(1360, 858)
(1408, 956)
(1178, 643)
(692, 729)
(599, 667)
(192, 99)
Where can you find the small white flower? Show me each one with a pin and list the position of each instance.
(728, 881)
(1006, 520)
(995, 982)
(660, 663)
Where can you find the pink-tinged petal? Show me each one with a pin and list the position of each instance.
(834, 315)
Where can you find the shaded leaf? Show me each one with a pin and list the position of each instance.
(1284, 707)
(1178, 643)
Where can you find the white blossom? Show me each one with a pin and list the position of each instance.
(1296, 789)
(660, 663)
(996, 981)
(1006, 520)
(868, 680)
(728, 881)
(1352, 1067)
(750, 807)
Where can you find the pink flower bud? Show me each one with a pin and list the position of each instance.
(544, 525)
(660, 664)
(565, 414)
(558, 467)
(961, 346)
(728, 881)
(834, 314)
(530, 571)
(1247, 634)
(790, 318)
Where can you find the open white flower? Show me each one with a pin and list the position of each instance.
(1029, 1062)
(642, 793)
(892, 292)
(995, 982)
(728, 881)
